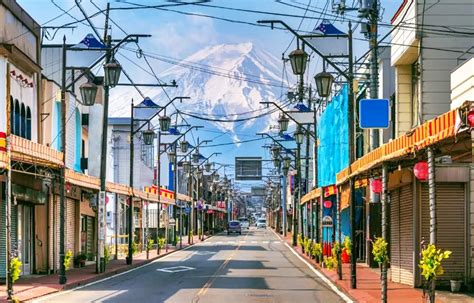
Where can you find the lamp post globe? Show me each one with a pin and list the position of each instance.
(216, 177)
(112, 72)
(148, 136)
(186, 166)
(277, 163)
(171, 156)
(184, 146)
(207, 167)
(88, 93)
(196, 157)
(298, 60)
(299, 135)
(286, 163)
(283, 123)
(275, 150)
(323, 83)
(165, 123)
(285, 171)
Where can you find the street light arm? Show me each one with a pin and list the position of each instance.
(160, 110)
(181, 135)
(195, 147)
(126, 39)
(286, 114)
(303, 40)
(207, 159)
(277, 142)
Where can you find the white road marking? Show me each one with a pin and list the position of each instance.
(254, 242)
(175, 269)
(265, 242)
(243, 241)
(320, 275)
(64, 292)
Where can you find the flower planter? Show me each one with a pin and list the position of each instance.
(345, 257)
(455, 285)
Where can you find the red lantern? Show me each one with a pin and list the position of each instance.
(327, 204)
(470, 118)
(421, 170)
(376, 186)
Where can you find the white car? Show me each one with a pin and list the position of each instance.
(261, 223)
(244, 223)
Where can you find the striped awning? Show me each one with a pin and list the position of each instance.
(430, 132)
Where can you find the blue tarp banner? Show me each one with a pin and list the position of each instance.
(333, 150)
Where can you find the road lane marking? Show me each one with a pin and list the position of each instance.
(65, 292)
(320, 275)
(254, 242)
(265, 242)
(209, 283)
(175, 269)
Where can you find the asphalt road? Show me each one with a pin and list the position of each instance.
(253, 267)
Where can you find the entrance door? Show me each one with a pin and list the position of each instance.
(26, 233)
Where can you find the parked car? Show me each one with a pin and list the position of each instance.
(261, 223)
(234, 227)
(244, 223)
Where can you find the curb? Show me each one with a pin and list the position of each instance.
(108, 275)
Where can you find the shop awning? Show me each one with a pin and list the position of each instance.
(430, 132)
(315, 193)
(82, 180)
(27, 151)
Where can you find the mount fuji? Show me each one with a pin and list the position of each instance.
(224, 82)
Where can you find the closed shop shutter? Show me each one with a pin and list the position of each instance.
(401, 235)
(450, 214)
(90, 235)
(70, 225)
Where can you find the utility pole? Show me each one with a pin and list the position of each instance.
(158, 185)
(62, 176)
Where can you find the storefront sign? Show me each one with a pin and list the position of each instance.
(327, 221)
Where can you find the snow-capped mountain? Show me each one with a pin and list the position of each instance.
(226, 81)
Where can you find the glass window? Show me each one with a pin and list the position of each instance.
(28, 123)
(22, 121)
(17, 118)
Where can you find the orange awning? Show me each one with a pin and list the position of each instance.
(315, 193)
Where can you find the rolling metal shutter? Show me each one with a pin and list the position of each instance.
(90, 235)
(401, 235)
(70, 226)
(451, 229)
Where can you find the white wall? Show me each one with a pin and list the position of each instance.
(462, 84)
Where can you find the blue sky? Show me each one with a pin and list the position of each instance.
(181, 34)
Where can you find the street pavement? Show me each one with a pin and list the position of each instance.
(253, 267)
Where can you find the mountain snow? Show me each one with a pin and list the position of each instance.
(226, 81)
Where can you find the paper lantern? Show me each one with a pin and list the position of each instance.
(421, 170)
(327, 204)
(470, 119)
(376, 186)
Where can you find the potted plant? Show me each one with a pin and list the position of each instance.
(431, 268)
(161, 244)
(317, 251)
(456, 284)
(346, 251)
(80, 260)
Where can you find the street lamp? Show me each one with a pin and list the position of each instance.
(148, 136)
(199, 173)
(283, 122)
(184, 146)
(165, 123)
(298, 59)
(277, 163)
(286, 163)
(172, 155)
(196, 157)
(186, 166)
(323, 83)
(208, 166)
(88, 93)
(275, 150)
(299, 136)
(112, 71)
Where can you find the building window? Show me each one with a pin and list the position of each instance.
(28, 123)
(20, 119)
(16, 118)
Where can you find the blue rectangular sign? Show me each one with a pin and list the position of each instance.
(374, 113)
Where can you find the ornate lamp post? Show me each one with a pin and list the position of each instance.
(324, 83)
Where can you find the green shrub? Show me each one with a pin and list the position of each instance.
(317, 250)
(347, 245)
(134, 248)
(149, 244)
(106, 254)
(161, 242)
(380, 250)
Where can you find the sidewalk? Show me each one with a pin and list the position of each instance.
(368, 284)
(37, 286)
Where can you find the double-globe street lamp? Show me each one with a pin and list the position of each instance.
(148, 137)
(323, 84)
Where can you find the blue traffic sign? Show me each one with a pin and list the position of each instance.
(374, 113)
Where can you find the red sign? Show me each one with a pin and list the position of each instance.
(327, 204)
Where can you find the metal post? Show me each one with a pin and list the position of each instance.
(158, 185)
(130, 208)
(432, 200)
(103, 159)
(147, 221)
(350, 120)
(116, 225)
(296, 195)
(175, 185)
(384, 229)
(62, 177)
(283, 206)
(8, 209)
(339, 223)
